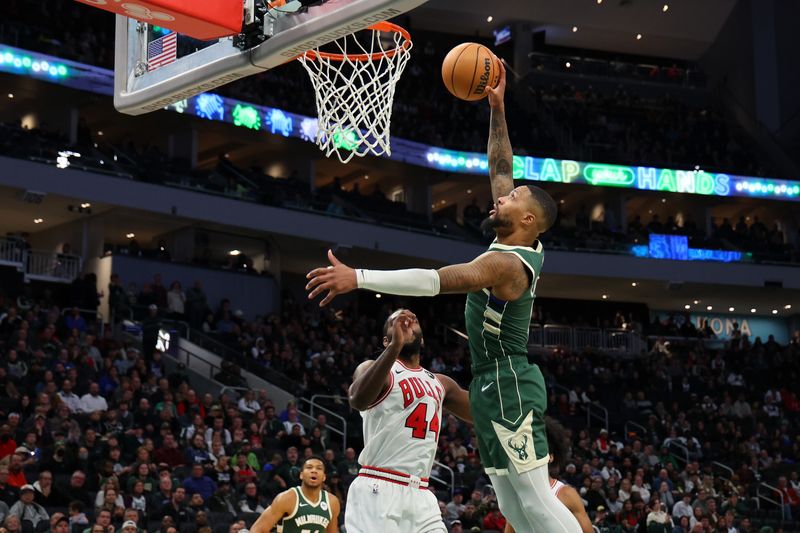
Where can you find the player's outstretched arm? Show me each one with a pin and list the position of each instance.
(504, 273)
(336, 506)
(282, 505)
(373, 378)
(501, 162)
(456, 399)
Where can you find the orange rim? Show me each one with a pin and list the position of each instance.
(380, 26)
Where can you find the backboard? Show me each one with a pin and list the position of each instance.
(271, 37)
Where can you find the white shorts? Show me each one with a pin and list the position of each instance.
(380, 506)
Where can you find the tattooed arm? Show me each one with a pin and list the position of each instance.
(499, 150)
(502, 273)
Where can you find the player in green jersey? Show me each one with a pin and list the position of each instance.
(305, 509)
(507, 395)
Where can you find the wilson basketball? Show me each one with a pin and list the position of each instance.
(468, 69)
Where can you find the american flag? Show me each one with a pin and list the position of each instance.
(162, 51)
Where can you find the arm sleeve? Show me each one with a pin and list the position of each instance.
(408, 282)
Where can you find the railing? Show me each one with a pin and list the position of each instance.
(725, 468)
(314, 407)
(557, 336)
(762, 492)
(536, 335)
(587, 337)
(98, 317)
(48, 266)
(629, 424)
(597, 412)
(244, 360)
(11, 253)
(452, 484)
(684, 451)
(618, 341)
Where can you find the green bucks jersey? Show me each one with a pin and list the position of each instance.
(308, 517)
(496, 328)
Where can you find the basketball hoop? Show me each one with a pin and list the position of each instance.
(355, 89)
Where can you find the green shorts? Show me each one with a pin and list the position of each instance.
(508, 399)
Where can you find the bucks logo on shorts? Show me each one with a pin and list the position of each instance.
(308, 517)
(519, 446)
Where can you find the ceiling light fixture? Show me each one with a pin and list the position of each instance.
(605, 297)
(687, 306)
(696, 302)
(38, 220)
(774, 311)
(709, 308)
(731, 309)
(11, 95)
(489, 18)
(787, 306)
(235, 252)
(634, 284)
(86, 205)
(599, 2)
(574, 29)
(130, 235)
(753, 310)
(100, 133)
(366, 176)
(638, 36)
(469, 191)
(568, 64)
(377, 295)
(665, 8)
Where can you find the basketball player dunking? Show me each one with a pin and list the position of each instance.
(557, 440)
(305, 509)
(508, 396)
(401, 404)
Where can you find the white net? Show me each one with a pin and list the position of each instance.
(355, 89)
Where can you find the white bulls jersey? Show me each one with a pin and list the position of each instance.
(401, 429)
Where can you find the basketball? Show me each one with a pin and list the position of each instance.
(468, 69)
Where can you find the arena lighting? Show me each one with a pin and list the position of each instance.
(11, 95)
(731, 309)
(574, 29)
(86, 205)
(687, 306)
(568, 64)
(696, 302)
(665, 8)
(774, 311)
(753, 310)
(697, 181)
(489, 18)
(130, 235)
(469, 191)
(709, 308)
(377, 295)
(605, 297)
(634, 284)
(25, 63)
(235, 252)
(38, 220)
(638, 36)
(787, 306)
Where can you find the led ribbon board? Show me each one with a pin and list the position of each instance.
(635, 177)
(676, 248)
(277, 121)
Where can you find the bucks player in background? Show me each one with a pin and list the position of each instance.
(304, 509)
(507, 395)
(401, 404)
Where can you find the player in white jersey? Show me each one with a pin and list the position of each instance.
(401, 404)
(558, 444)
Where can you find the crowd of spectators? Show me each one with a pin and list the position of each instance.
(95, 432)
